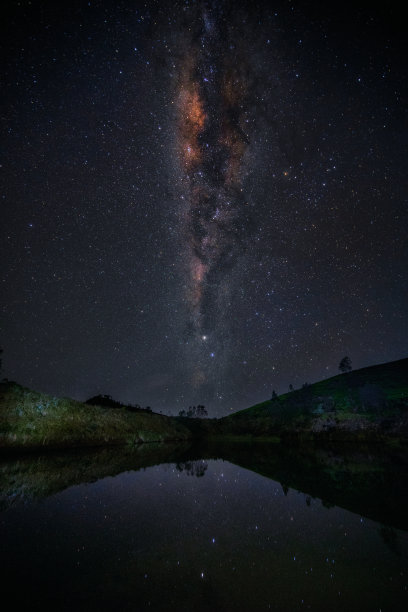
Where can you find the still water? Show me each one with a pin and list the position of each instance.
(203, 533)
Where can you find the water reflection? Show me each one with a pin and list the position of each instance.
(133, 530)
(193, 468)
(369, 481)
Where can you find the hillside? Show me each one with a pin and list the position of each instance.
(371, 403)
(366, 405)
(32, 420)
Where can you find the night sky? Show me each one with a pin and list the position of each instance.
(201, 201)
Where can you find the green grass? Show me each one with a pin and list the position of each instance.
(336, 406)
(33, 420)
(342, 389)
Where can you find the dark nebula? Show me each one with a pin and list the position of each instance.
(202, 201)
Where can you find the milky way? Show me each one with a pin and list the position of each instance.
(212, 140)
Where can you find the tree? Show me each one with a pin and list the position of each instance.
(106, 401)
(196, 412)
(133, 407)
(290, 388)
(193, 468)
(345, 365)
(201, 411)
(274, 395)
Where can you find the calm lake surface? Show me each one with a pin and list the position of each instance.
(205, 533)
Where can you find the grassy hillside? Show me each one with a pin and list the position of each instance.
(34, 420)
(371, 402)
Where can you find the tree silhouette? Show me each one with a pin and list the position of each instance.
(201, 411)
(274, 395)
(196, 412)
(193, 468)
(106, 401)
(345, 365)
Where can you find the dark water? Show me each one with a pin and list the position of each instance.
(194, 532)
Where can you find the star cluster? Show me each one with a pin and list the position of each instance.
(201, 201)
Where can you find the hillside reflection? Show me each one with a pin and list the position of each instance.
(368, 481)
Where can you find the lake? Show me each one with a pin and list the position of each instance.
(221, 527)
